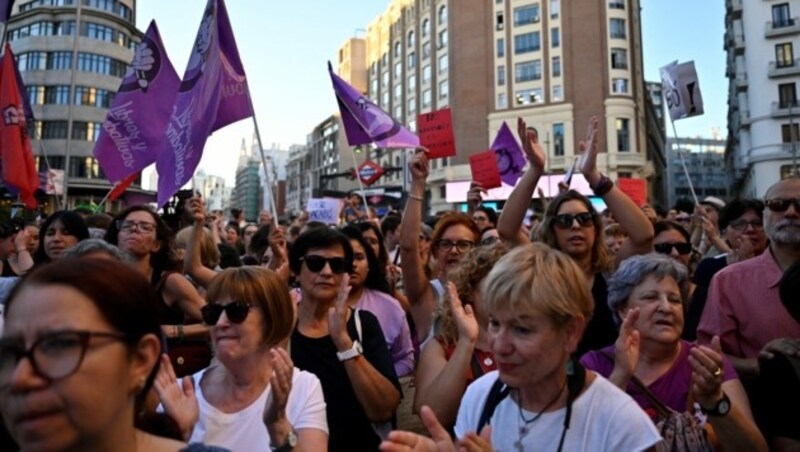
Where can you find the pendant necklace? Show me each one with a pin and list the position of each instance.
(525, 424)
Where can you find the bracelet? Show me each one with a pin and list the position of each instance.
(604, 185)
(412, 196)
(180, 332)
(174, 331)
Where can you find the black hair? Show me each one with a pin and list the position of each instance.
(376, 276)
(491, 214)
(259, 242)
(163, 259)
(789, 290)
(72, 222)
(666, 225)
(737, 208)
(319, 239)
(383, 253)
(228, 256)
(390, 223)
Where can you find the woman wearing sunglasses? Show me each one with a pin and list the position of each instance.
(673, 241)
(251, 316)
(571, 225)
(345, 349)
(78, 355)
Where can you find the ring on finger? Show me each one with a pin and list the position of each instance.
(718, 372)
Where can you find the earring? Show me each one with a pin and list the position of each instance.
(570, 367)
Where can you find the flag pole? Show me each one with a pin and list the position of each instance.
(683, 163)
(360, 183)
(273, 208)
(105, 198)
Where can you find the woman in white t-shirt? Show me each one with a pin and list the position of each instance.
(540, 398)
(253, 398)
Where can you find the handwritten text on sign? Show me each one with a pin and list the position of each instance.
(325, 210)
(436, 133)
(484, 169)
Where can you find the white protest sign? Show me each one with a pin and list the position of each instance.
(681, 90)
(325, 210)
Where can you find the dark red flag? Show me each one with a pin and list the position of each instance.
(121, 186)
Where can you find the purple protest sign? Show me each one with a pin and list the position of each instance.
(211, 86)
(510, 160)
(364, 122)
(133, 131)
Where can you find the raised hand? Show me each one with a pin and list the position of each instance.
(786, 346)
(197, 208)
(179, 401)
(742, 250)
(474, 197)
(464, 316)
(440, 441)
(280, 386)
(22, 239)
(472, 442)
(707, 372)
(530, 145)
(420, 165)
(626, 349)
(338, 315)
(277, 243)
(587, 160)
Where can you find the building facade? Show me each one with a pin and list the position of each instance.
(247, 193)
(299, 181)
(703, 157)
(71, 84)
(763, 71)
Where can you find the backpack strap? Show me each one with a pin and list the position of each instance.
(496, 395)
(358, 326)
(663, 410)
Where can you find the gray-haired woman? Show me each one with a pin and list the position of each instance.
(647, 296)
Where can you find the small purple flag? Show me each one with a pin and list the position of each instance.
(510, 159)
(364, 122)
(212, 95)
(5, 10)
(133, 132)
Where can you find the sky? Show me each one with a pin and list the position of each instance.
(285, 46)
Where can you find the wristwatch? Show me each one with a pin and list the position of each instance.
(354, 351)
(291, 442)
(722, 407)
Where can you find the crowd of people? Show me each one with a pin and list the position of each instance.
(626, 329)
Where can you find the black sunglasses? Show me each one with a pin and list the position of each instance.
(315, 264)
(666, 248)
(565, 220)
(781, 204)
(236, 311)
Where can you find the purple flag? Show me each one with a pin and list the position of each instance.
(5, 10)
(133, 132)
(364, 122)
(510, 159)
(213, 94)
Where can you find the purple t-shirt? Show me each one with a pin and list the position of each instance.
(672, 388)
(392, 319)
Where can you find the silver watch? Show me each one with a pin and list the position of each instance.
(355, 350)
(291, 442)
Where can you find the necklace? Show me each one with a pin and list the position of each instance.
(524, 427)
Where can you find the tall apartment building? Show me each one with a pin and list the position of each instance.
(247, 194)
(72, 84)
(763, 71)
(299, 181)
(702, 157)
(557, 63)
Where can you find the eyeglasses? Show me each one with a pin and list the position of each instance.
(315, 264)
(741, 224)
(479, 218)
(491, 240)
(461, 245)
(565, 220)
(683, 219)
(53, 356)
(128, 226)
(666, 248)
(781, 204)
(236, 311)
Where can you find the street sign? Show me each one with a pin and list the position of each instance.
(369, 172)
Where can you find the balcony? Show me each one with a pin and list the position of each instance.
(785, 109)
(738, 43)
(741, 81)
(734, 8)
(782, 28)
(784, 70)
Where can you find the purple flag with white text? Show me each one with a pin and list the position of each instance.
(213, 94)
(364, 122)
(510, 159)
(133, 131)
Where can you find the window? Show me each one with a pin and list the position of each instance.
(398, 70)
(87, 131)
(53, 129)
(558, 93)
(35, 94)
(32, 61)
(787, 171)
(89, 62)
(619, 58)
(385, 100)
(555, 9)
(616, 4)
(412, 125)
(501, 75)
(787, 95)
(619, 85)
(373, 88)
(384, 59)
(397, 49)
(558, 139)
(444, 90)
(784, 55)
(426, 99)
(443, 60)
(412, 82)
(528, 14)
(411, 40)
(385, 79)
(426, 73)
(398, 90)
(57, 95)
(527, 42)
(790, 132)
(442, 15)
(411, 106)
(93, 97)
(529, 96)
(617, 28)
(556, 66)
(59, 60)
(426, 50)
(501, 100)
(398, 111)
(501, 47)
(555, 38)
(781, 17)
(412, 60)
(498, 23)
(623, 135)
(527, 71)
(426, 28)
(442, 39)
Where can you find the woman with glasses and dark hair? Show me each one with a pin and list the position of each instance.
(673, 240)
(255, 382)
(60, 231)
(454, 235)
(344, 348)
(140, 232)
(649, 361)
(573, 226)
(78, 355)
